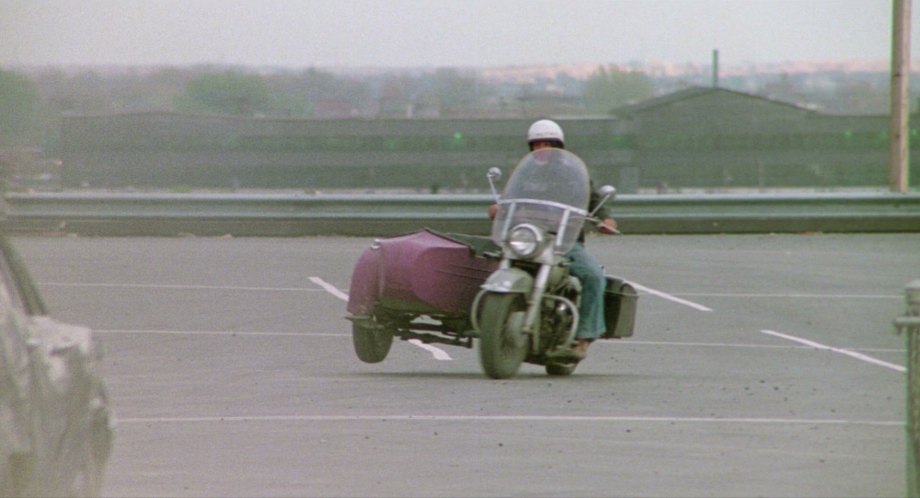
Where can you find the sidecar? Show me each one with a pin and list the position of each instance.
(417, 286)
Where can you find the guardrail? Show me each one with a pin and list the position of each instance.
(287, 214)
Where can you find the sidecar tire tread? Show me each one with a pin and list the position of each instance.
(371, 344)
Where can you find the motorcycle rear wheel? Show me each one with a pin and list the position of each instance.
(501, 351)
(372, 342)
(560, 369)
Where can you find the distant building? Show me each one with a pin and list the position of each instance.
(699, 137)
(714, 137)
(165, 150)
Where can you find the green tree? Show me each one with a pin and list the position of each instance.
(19, 104)
(298, 94)
(611, 87)
(455, 90)
(231, 92)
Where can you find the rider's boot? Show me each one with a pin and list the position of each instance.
(575, 353)
(581, 348)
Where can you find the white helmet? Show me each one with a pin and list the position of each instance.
(545, 130)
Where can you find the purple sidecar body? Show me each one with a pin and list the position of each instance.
(423, 272)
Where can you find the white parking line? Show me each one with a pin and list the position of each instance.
(329, 288)
(670, 297)
(217, 332)
(791, 296)
(176, 286)
(632, 342)
(439, 354)
(847, 352)
(508, 418)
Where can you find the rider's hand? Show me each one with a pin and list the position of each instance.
(493, 210)
(608, 226)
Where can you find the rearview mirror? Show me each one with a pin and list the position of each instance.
(494, 175)
(608, 192)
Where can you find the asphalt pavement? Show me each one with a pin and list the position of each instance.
(762, 365)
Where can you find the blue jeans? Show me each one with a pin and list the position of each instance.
(588, 271)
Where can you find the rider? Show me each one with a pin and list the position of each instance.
(544, 134)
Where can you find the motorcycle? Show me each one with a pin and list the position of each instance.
(512, 291)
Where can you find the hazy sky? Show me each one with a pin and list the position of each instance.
(401, 33)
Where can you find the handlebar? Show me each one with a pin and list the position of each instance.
(602, 228)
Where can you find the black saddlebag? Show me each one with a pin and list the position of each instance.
(619, 308)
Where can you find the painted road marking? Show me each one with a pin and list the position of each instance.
(670, 297)
(180, 287)
(507, 418)
(673, 297)
(329, 288)
(632, 342)
(439, 354)
(216, 332)
(789, 295)
(847, 352)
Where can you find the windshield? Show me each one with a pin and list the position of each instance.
(549, 188)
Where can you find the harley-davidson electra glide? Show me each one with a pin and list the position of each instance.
(512, 291)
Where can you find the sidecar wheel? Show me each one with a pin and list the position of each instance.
(560, 369)
(501, 349)
(372, 343)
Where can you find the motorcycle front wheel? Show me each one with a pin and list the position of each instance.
(372, 342)
(502, 347)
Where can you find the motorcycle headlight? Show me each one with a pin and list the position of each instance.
(525, 240)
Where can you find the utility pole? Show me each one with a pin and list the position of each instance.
(715, 68)
(898, 131)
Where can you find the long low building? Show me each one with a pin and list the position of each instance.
(713, 137)
(696, 138)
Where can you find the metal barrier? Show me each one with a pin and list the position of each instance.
(297, 214)
(910, 324)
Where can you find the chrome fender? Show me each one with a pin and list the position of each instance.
(509, 280)
(502, 281)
